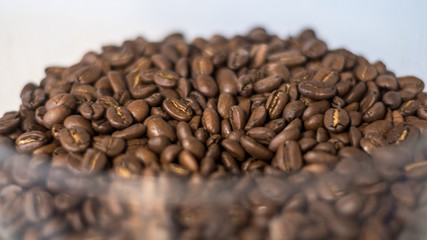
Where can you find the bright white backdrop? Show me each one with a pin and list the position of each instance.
(35, 34)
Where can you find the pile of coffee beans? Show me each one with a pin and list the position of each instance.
(249, 137)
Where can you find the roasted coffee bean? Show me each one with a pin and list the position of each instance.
(38, 205)
(410, 107)
(245, 86)
(134, 131)
(139, 109)
(188, 161)
(411, 84)
(238, 58)
(314, 48)
(206, 85)
(376, 112)
(356, 93)
(255, 149)
(166, 78)
(317, 156)
(261, 134)
(30, 141)
(288, 58)
(267, 84)
(293, 110)
(316, 90)
(234, 148)
(194, 146)
(365, 72)
(177, 109)
(288, 157)
(275, 103)
(74, 139)
(33, 98)
(257, 117)
(211, 121)
(157, 126)
(119, 117)
(225, 101)
(56, 115)
(201, 65)
(336, 120)
(237, 117)
(226, 79)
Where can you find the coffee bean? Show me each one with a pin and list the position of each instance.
(255, 149)
(56, 115)
(365, 72)
(288, 58)
(119, 117)
(275, 103)
(267, 84)
(336, 120)
(201, 65)
(317, 156)
(188, 161)
(206, 85)
(314, 48)
(74, 139)
(157, 127)
(237, 117)
(293, 110)
(30, 141)
(288, 157)
(376, 112)
(166, 78)
(194, 146)
(158, 144)
(211, 121)
(411, 84)
(234, 148)
(261, 134)
(316, 90)
(177, 109)
(38, 205)
(245, 86)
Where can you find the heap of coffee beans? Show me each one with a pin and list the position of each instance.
(252, 137)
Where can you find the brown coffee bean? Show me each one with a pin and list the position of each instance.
(288, 58)
(255, 149)
(261, 134)
(293, 110)
(157, 126)
(211, 121)
(267, 84)
(410, 107)
(245, 86)
(314, 48)
(206, 85)
(387, 81)
(30, 141)
(119, 117)
(257, 117)
(225, 101)
(234, 148)
(93, 161)
(134, 131)
(38, 205)
(194, 146)
(356, 93)
(411, 84)
(226, 80)
(177, 109)
(188, 161)
(275, 103)
(317, 156)
(288, 157)
(56, 115)
(336, 120)
(316, 90)
(237, 117)
(238, 58)
(166, 78)
(376, 112)
(74, 139)
(201, 65)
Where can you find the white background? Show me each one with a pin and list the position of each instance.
(36, 34)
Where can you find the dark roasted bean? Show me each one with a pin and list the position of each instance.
(316, 90)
